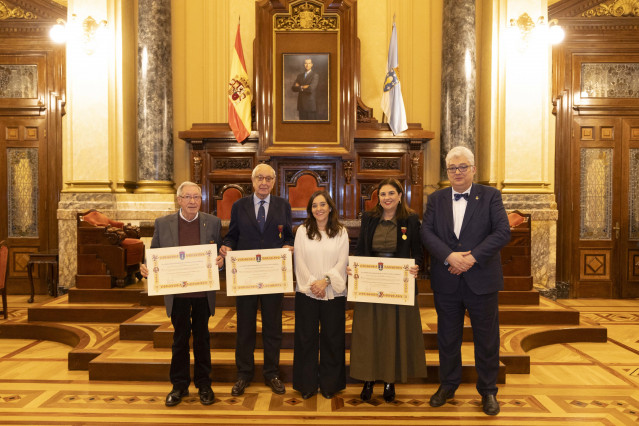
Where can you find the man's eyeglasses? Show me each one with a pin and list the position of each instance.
(191, 197)
(268, 179)
(453, 169)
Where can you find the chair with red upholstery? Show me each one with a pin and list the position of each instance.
(109, 252)
(4, 264)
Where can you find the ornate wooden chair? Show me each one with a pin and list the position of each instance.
(109, 252)
(4, 264)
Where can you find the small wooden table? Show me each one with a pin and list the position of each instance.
(47, 257)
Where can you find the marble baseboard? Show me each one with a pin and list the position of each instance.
(127, 208)
(543, 215)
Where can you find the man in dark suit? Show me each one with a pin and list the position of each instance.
(189, 312)
(306, 87)
(464, 229)
(260, 221)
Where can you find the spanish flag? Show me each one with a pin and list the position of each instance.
(239, 93)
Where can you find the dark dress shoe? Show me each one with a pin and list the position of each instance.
(239, 386)
(389, 392)
(328, 395)
(175, 397)
(440, 397)
(276, 385)
(308, 395)
(490, 405)
(367, 392)
(207, 397)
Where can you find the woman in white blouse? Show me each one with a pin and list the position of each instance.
(321, 256)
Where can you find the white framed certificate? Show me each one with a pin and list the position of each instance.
(182, 269)
(259, 272)
(381, 280)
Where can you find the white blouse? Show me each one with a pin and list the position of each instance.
(314, 259)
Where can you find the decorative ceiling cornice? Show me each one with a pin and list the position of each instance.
(614, 8)
(8, 12)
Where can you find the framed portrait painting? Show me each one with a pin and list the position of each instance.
(305, 87)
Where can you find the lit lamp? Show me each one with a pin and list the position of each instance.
(527, 27)
(90, 31)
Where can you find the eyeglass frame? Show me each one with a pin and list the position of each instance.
(453, 169)
(267, 179)
(191, 197)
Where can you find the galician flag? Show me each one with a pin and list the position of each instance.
(239, 93)
(392, 101)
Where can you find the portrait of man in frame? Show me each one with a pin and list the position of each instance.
(305, 87)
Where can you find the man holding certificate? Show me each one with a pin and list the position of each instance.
(189, 312)
(260, 221)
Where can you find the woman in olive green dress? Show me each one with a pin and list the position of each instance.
(387, 340)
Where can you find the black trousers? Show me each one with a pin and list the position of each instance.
(319, 330)
(271, 309)
(190, 315)
(483, 310)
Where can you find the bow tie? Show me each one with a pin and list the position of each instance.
(458, 196)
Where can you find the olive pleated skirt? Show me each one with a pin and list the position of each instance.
(387, 343)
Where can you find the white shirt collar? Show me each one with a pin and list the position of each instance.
(182, 216)
(256, 199)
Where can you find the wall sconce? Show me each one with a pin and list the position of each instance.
(89, 31)
(527, 27)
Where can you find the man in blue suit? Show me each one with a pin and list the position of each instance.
(306, 85)
(260, 221)
(189, 312)
(464, 229)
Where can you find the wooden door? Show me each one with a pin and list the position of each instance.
(23, 153)
(606, 207)
(596, 155)
(629, 229)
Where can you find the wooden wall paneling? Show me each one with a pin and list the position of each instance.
(590, 38)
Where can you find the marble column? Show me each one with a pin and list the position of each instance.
(155, 97)
(458, 77)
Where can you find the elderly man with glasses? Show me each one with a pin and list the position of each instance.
(189, 312)
(259, 221)
(464, 229)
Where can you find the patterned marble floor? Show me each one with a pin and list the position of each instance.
(572, 383)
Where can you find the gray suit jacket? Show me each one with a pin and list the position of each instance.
(165, 234)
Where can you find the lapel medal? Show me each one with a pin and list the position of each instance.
(279, 228)
(404, 237)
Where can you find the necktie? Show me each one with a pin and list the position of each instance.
(261, 216)
(458, 196)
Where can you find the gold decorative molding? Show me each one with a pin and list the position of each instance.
(616, 8)
(7, 13)
(306, 16)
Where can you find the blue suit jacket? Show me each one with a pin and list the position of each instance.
(485, 230)
(165, 234)
(244, 232)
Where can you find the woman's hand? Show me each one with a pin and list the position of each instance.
(219, 261)
(349, 271)
(144, 270)
(318, 288)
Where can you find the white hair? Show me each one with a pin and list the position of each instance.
(186, 183)
(262, 166)
(461, 151)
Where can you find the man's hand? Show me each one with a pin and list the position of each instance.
(290, 248)
(144, 270)
(224, 250)
(414, 270)
(460, 261)
(219, 261)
